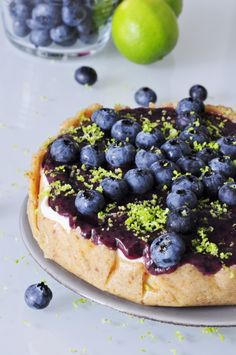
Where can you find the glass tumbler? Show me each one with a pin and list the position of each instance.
(58, 28)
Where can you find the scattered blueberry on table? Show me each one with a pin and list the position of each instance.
(86, 76)
(144, 96)
(38, 296)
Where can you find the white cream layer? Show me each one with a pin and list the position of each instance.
(49, 213)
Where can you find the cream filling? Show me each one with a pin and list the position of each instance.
(49, 213)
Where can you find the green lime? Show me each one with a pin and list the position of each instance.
(176, 5)
(144, 31)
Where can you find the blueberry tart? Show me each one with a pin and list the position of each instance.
(141, 202)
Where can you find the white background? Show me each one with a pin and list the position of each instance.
(35, 97)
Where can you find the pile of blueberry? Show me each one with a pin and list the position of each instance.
(54, 21)
(157, 162)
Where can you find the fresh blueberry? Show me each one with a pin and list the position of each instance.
(188, 182)
(86, 76)
(64, 35)
(227, 193)
(182, 220)
(145, 96)
(198, 92)
(146, 140)
(207, 154)
(38, 296)
(167, 250)
(186, 119)
(20, 28)
(91, 156)
(89, 202)
(164, 171)
(212, 181)
(193, 134)
(181, 198)
(125, 130)
(74, 15)
(192, 165)
(63, 150)
(105, 118)
(40, 38)
(115, 189)
(86, 26)
(121, 154)
(140, 181)
(45, 16)
(223, 165)
(228, 146)
(88, 38)
(175, 148)
(144, 159)
(20, 10)
(190, 105)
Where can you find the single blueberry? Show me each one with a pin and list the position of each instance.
(146, 140)
(227, 193)
(145, 96)
(45, 16)
(91, 156)
(122, 154)
(86, 26)
(185, 119)
(181, 198)
(228, 146)
(74, 15)
(164, 171)
(115, 189)
(88, 38)
(86, 76)
(192, 165)
(38, 296)
(207, 154)
(212, 181)
(175, 148)
(182, 220)
(64, 35)
(20, 10)
(140, 181)
(188, 182)
(40, 38)
(105, 118)
(89, 202)
(193, 134)
(64, 150)
(144, 159)
(223, 165)
(125, 130)
(20, 28)
(167, 250)
(190, 105)
(198, 92)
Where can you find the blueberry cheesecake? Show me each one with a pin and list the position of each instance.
(141, 202)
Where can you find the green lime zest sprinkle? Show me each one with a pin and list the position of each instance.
(146, 216)
(101, 173)
(205, 169)
(169, 131)
(57, 187)
(179, 336)
(174, 351)
(78, 301)
(217, 209)
(213, 330)
(148, 125)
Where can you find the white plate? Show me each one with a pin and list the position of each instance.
(191, 316)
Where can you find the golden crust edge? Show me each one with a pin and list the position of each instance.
(150, 289)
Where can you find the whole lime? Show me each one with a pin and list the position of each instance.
(144, 31)
(176, 5)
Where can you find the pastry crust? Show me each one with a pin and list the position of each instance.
(107, 270)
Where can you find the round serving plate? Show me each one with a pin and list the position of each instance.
(219, 316)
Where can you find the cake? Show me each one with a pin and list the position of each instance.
(141, 202)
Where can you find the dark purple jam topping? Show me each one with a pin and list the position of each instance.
(109, 228)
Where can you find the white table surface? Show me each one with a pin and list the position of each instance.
(35, 97)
